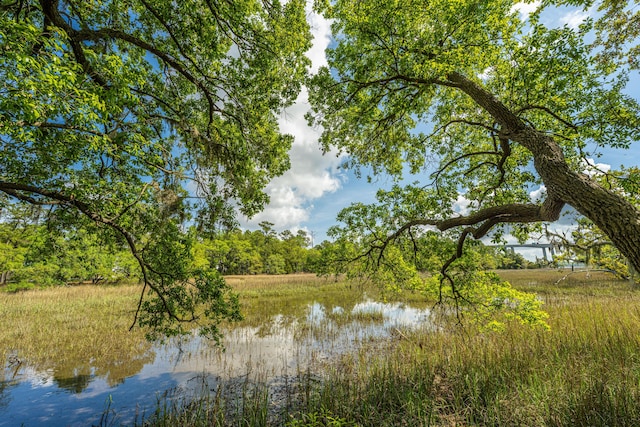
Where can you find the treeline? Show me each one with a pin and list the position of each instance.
(261, 251)
(32, 254)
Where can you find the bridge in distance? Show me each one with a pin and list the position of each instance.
(544, 246)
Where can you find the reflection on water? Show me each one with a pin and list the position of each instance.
(77, 394)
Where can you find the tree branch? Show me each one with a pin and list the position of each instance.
(509, 121)
(52, 15)
(58, 198)
(548, 111)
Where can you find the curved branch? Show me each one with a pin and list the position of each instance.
(470, 123)
(17, 190)
(110, 33)
(487, 218)
(171, 33)
(549, 210)
(506, 152)
(52, 16)
(76, 37)
(464, 156)
(62, 126)
(395, 78)
(509, 121)
(548, 111)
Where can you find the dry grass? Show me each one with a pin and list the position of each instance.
(266, 281)
(584, 371)
(74, 329)
(78, 330)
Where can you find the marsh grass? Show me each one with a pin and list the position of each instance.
(290, 295)
(72, 329)
(343, 317)
(584, 371)
(556, 282)
(67, 325)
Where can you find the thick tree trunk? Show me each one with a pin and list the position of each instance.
(610, 212)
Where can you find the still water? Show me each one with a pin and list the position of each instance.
(272, 353)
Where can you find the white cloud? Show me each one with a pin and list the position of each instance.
(537, 195)
(592, 168)
(525, 8)
(312, 174)
(576, 17)
(285, 209)
(321, 30)
(487, 73)
(462, 205)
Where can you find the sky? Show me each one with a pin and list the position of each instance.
(315, 189)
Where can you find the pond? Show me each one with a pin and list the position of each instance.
(273, 353)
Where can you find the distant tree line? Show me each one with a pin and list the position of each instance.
(263, 251)
(33, 253)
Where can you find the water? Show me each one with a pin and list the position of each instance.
(271, 353)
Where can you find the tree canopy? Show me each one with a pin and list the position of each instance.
(129, 116)
(497, 106)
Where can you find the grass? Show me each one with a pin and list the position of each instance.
(263, 296)
(73, 325)
(584, 371)
(72, 329)
(343, 317)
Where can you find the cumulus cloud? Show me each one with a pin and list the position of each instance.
(321, 30)
(312, 174)
(537, 195)
(592, 168)
(574, 18)
(525, 8)
(285, 210)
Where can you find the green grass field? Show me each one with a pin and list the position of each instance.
(585, 370)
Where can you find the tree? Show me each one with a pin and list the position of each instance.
(243, 257)
(499, 105)
(294, 250)
(586, 242)
(616, 31)
(16, 233)
(129, 116)
(508, 259)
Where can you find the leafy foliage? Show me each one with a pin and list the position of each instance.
(36, 255)
(124, 118)
(495, 106)
(254, 252)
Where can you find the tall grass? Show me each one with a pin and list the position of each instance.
(73, 330)
(584, 371)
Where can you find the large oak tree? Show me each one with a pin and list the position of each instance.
(126, 117)
(497, 105)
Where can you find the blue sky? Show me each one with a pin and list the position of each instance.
(315, 189)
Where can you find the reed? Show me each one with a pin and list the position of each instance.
(74, 328)
(584, 371)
